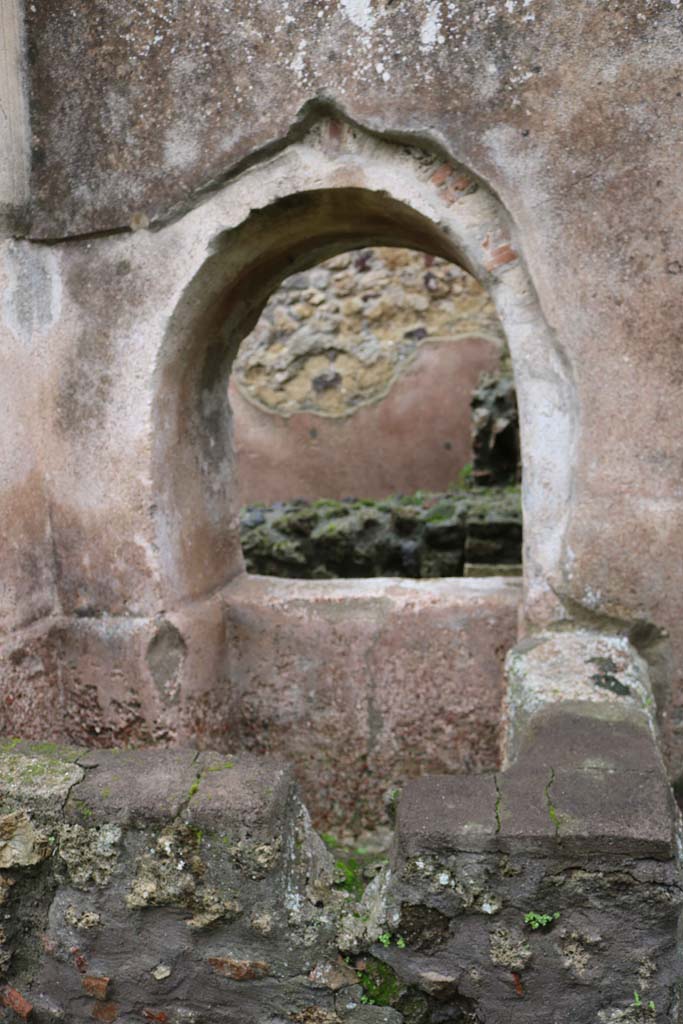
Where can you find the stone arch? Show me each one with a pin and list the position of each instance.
(338, 188)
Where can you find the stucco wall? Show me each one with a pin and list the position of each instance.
(563, 115)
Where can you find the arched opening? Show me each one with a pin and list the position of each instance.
(338, 192)
(220, 308)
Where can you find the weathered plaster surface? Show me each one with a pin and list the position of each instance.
(568, 113)
(363, 684)
(357, 683)
(385, 447)
(14, 118)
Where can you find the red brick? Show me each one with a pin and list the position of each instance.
(95, 986)
(441, 174)
(238, 970)
(14, 1000)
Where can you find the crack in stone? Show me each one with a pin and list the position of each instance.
(552, 812)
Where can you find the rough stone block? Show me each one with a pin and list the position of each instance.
(447, 812)
(581, 667)
(125, 901)
(133, 786)
(572, 897)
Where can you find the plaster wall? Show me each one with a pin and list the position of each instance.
(568, 113)
(14, 118)
(365, 684)
(391, 445)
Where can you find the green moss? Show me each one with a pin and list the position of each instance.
(6, 746)
(45, 749)
(440, 512)
(330, 841)
(83, 809)
(350, 875)
(552, 813)
(194, 788)
(466, 476)
(363, 538)
(220, 767)
(34, 770)
(380, 985)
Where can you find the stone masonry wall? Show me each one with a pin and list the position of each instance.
(336, 337)
(188, 888)
(474, 532)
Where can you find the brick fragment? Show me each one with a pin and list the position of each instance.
(238, 970)
(500, 256)
(14, 1000)
(106, 1012)
(95, 986)
(441, 174)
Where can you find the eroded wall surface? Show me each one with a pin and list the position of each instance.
(189, 888)
(566, 112)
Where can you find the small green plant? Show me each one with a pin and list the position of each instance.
(83, 809)
(651, 1006)
(637, 1001)
(380, 985)
(386, 939)
(536, 920)
(465, 477)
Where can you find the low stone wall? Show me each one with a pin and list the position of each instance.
(365, 684)
(189, 888)
(359, 683)
(467, 532)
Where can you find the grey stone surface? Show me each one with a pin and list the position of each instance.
(441, 812)
(126, 786)
(158, 912)
(495, 432)
(191, 887)
(375, 1015)
(572, 897)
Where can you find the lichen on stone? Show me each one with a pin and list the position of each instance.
(173, 876)
(255, 859)
(21, 843)
(90, 854)
(83, 920)
(509, 949)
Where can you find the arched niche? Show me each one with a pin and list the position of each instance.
(339, 189)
